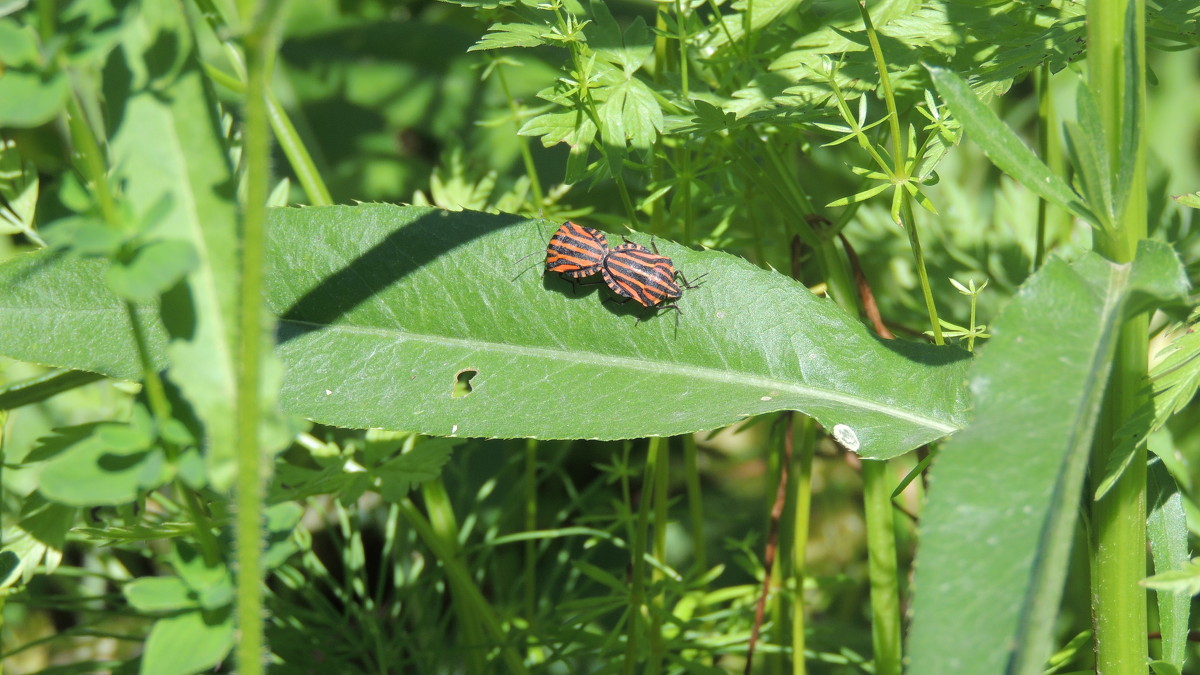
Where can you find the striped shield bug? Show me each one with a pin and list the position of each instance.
(635, 272)
(576, 251)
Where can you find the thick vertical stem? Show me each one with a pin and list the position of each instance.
(882, 568)
(802, 498)
(637, 549)
(531, 509)
(695, 501)
(1116, 53)
(249, 482)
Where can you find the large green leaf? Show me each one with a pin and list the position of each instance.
(1005, 492)
(395, 306)
(427, 320)
(182, 184)
(56, 309)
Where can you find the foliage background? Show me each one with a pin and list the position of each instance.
(393, 107)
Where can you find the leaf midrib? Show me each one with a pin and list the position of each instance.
(728, 376)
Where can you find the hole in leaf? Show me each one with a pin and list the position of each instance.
(462, 383)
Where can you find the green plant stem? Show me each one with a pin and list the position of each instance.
(588, 105)
(92, 157)
(779, 507)
(836, 273)
(251, 322)
(885, 83)
(442, 542)
(882, 568)
(801, 475)
(445, 528)
(289, 140)
(900, 172)
(297, 154)
(535, 184)
(531, 512)
(685, 194)
(637, 590)
(695, 501)
(1050, 149)
(662, 481)
(880, 521)
(285, 132)
(1119, 518)
(682, 39)
(914, 243)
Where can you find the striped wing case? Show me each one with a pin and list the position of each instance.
(634, 271)
(576, 251)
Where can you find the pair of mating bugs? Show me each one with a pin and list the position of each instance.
(631, 270)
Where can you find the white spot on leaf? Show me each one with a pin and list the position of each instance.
(846, 437)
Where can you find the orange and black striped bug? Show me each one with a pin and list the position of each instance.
(631, 271)
(635, 272)
(576, 251)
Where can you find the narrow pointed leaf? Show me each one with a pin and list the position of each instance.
(1166, 528)
(1005, 492)
(1002, 145)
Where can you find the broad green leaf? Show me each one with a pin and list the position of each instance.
(158, 594)
(1166, 528)
(1003, 147)
(630, 114)
(626, 50)
(572, 127)
(382, 320)
(188, 169)
(49, 293)
(28, 100)
(187, 643)
(18, 44)
(211, 583)
(103, 467)
(1005, 492)
(384, 308)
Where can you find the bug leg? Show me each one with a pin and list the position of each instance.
(576, 283)
(686, 283)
